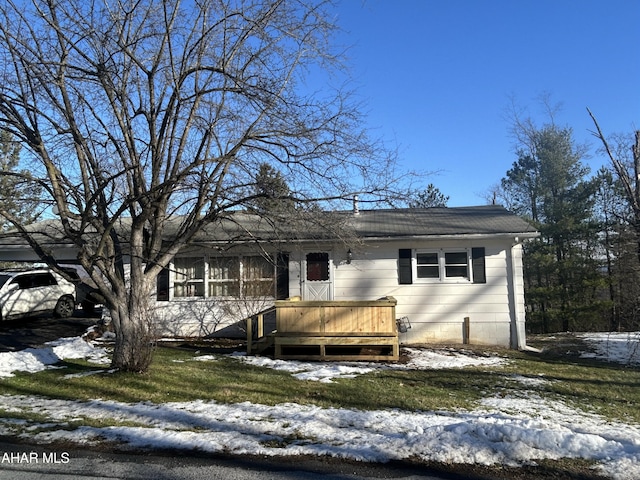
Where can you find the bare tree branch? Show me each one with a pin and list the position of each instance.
(147, 112)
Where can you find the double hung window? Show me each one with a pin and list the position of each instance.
(441, 265)
(427, 265)
(224, 276)
(257, 276)
(456, 264)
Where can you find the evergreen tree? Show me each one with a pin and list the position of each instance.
(430, 197)
(618, 214)
(272, 194)
(18, 195)
(549, 186)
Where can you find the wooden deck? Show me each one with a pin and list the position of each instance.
(327, 330)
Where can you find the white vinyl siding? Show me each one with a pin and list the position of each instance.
(437, 307)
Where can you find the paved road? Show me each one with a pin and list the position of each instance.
(24, 462)
(34, 332)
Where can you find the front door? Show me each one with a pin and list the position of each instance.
(317, 277)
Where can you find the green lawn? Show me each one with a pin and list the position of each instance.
(557, 373)
(608, 389)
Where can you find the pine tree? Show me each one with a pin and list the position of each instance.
(550, 187)
(428, 198)
(18, 195)
(272, 194)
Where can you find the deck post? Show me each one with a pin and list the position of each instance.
(249, 334)
(260, 325)
(466, 335)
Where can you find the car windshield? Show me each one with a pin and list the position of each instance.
(3, 279)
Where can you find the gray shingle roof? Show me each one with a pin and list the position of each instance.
(386, 223)
(482, 220)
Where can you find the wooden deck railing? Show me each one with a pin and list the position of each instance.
(344, 330)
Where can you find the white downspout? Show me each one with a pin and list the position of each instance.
(518, 332)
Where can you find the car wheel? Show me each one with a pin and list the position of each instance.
(65, 307)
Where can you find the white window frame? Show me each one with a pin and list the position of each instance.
(417, 266)
(191, 285)
(230, 266)
(246, 282)
(442, 265)
(207, 283)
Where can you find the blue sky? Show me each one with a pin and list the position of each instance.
(437, 76)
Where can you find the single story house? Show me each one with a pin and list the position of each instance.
(456, 273)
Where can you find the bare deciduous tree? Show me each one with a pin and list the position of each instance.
(628, 173)
(623, 240)
(141, 111)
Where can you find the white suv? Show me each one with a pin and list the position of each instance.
(30, 292)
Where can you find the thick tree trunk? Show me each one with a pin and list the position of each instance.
(135, 340)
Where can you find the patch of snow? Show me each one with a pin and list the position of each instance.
(76, 347)
(28, 360)
(315, 371)
(433, 359)
(419, 359)
(37, 359)
(531, 382)
(89, 373)
(508, 431)
(205, 358)
(621, 348)
(562, 431)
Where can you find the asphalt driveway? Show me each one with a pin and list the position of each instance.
(34, 332)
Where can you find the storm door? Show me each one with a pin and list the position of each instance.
(318, 276)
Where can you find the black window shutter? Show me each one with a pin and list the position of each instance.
(162, 285)
(405, 276)
(282, 276)
(477, 261)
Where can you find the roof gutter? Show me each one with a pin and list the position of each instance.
(518, 237)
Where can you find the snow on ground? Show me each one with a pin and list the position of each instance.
(38, 359)
(614, 347)
(449, 358)
(509, 430)
(325, 372)
(506, 431)
(319, 372)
